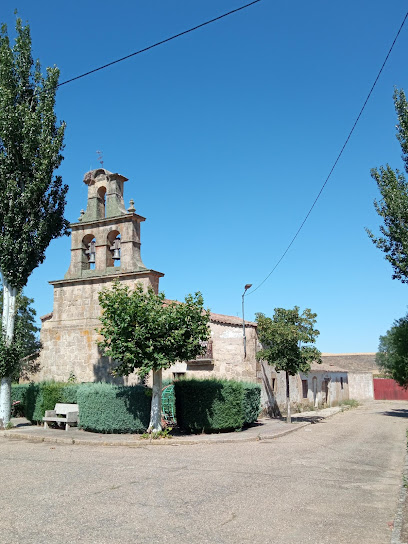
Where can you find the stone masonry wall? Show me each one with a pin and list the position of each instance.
(228, 356)
(69, 334)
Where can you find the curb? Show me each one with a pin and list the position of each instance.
(399, 516)
(140, 443)
(286, 431)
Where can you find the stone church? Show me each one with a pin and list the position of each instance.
(105, 246)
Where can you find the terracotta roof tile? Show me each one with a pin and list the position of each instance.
(221, 318)
(326, 367)
(353, 362)
(230, 320)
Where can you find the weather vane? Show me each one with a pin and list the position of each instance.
(100, 157)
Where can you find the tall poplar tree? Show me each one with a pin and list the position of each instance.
(32, 199)
(26, 344)
(393, 206)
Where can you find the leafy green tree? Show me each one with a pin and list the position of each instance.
(393, 206)
(392, 354)
(287, 343)
(143, 332)
(32, 200)
(21, 358)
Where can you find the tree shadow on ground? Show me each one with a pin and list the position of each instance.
(310, 419)
(20, 422)
(396, 413)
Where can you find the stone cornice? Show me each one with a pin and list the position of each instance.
(100, 278)
(109, 220)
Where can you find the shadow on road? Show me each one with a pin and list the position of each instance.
(310, 419)
(396, 413)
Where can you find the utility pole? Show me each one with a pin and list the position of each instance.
(247, 286)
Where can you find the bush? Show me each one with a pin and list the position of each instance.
(215, 405)
(19, 392)
(353, 403)
(106, 408)
(69, 393)
(27, 395)
(102, 407)
(49, 394)
(36, 398)
(18, 395)
(251, 402)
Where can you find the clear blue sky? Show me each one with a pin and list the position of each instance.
(226, 136)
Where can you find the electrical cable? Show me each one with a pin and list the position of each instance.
(335, 162)
(158, 43)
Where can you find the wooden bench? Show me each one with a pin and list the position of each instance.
(62, 413)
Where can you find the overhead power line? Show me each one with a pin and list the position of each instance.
(158, 43)
(335, 162)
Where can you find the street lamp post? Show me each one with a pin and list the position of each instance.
(247, 286)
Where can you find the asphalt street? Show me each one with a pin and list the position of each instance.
(336, 481)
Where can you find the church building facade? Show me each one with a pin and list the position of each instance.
(105, 246)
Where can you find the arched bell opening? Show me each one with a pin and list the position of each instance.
(101, 202)
(88, 252)
(114, 250)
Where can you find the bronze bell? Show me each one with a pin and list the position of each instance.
(116, 249)
(91, 252)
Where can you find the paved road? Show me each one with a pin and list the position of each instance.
(333, 482)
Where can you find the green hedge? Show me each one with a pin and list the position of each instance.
(70, 393)
(251, 402)
(102, 407)
(215, 405)
(106, 408)
(27, 394)
(19, 394)
(36, 398)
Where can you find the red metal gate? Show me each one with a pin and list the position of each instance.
(385, 389)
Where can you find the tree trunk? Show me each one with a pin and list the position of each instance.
(8, 317)
(288, 415)
(155, 412)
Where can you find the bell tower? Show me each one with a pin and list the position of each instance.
(106, 238)
(105, 246)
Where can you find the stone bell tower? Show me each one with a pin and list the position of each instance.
(105, 246)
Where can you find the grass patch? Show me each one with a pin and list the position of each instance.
(353, 403)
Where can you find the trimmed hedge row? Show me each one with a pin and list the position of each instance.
(36, 398)
(103, 408)
(106, 408)
(216, 405)
(201, 405)
(251, 402)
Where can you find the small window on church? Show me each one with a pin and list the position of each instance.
(101, 202)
